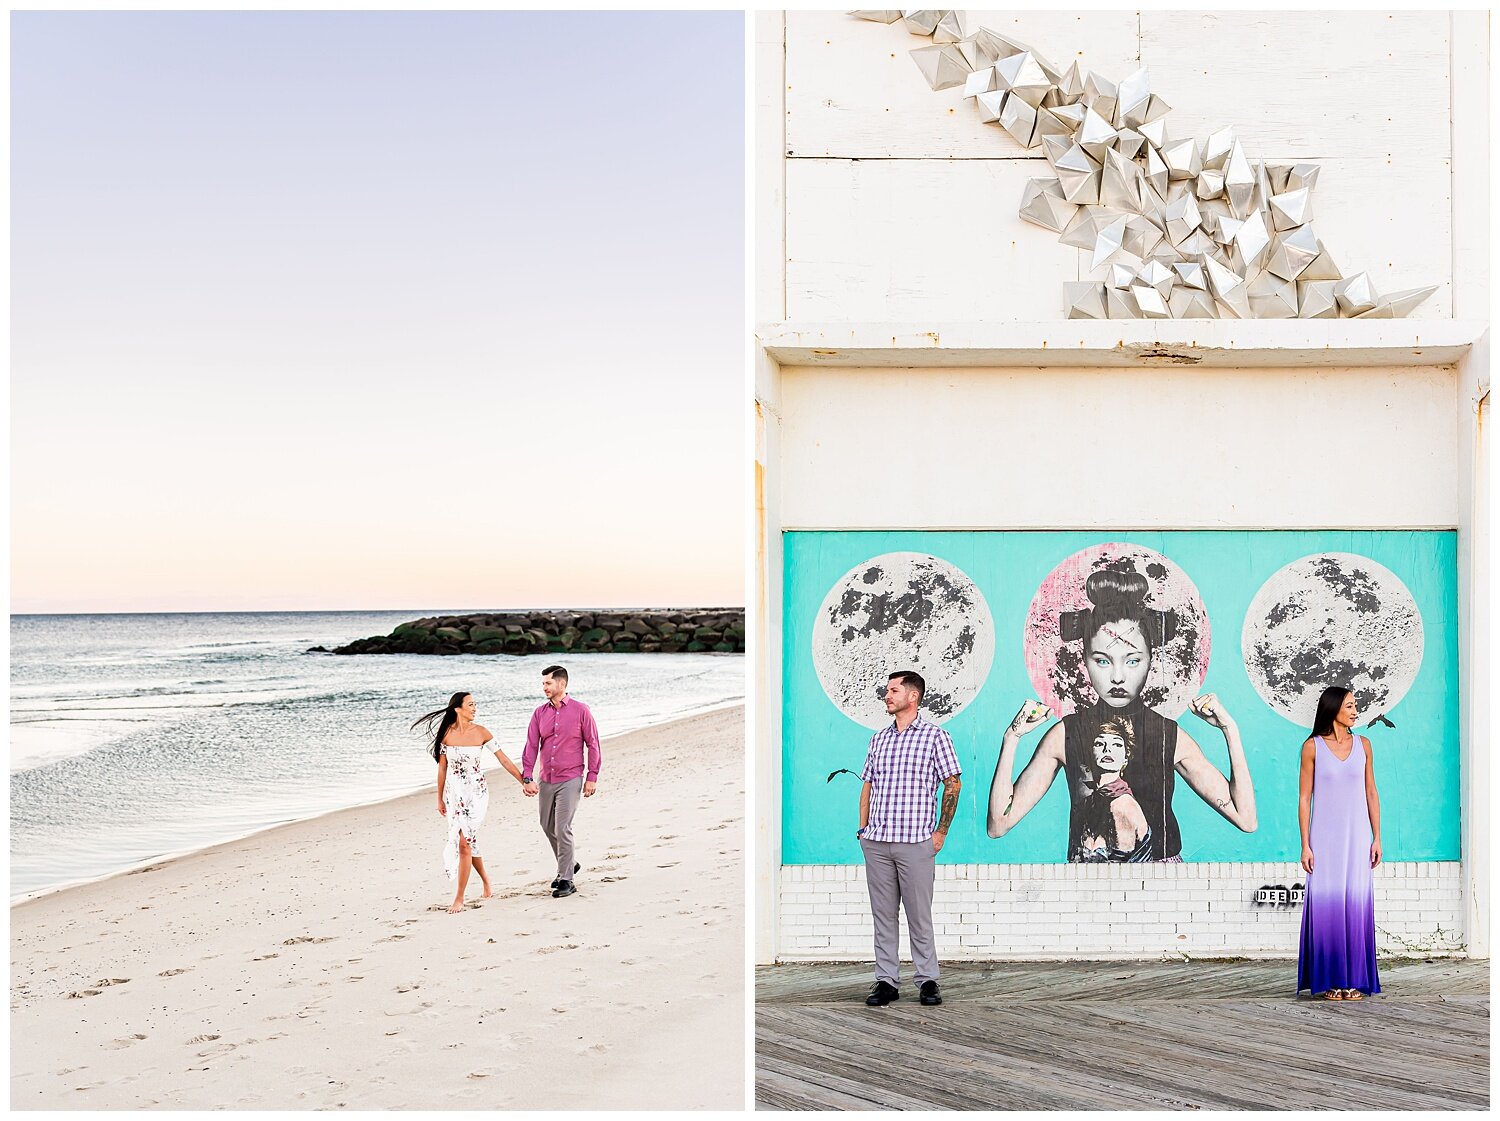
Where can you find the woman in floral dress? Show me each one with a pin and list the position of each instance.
(458, 745)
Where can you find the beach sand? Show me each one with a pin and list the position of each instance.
(314, 965)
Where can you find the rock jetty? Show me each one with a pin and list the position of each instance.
(562, 632)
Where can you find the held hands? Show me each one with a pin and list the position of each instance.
(589, 788)
(1208, 707)
(1307, 860)
(1033, 715)
(529, 788)
(1375, 853)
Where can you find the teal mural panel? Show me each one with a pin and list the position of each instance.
(1218, 579)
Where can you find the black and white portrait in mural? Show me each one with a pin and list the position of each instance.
(1332, 618)
(1117, 646)
(902, 611)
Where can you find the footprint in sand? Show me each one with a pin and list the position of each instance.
(263, 957)
(105, 982)
(201, 1039)
(667, 837)
(409, 987)
(125, 1041)
(612, 879)
(392, 938)
(301, 938)
(171, 972)
(554, 949)
(716, 828)
(79, 994)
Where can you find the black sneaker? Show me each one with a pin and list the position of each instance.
(564, 888)
(558, 883)
(882, 994)
(930, 994)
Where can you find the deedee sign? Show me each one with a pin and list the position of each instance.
(1280, 896)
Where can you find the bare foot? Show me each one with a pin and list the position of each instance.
(487, 894)
(458, 905)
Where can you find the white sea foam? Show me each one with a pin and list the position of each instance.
(135, 736)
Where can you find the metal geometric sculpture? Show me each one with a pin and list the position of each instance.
(1186, 228)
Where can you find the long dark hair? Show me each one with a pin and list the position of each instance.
(444, 718)
(1117, 597)
(1328, 707)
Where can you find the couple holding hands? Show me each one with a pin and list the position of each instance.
(559, 764)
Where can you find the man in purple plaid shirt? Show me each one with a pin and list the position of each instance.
(896, 831)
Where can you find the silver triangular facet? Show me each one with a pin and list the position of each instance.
(979, 81)
(1239, 183)
(1316, 299)
(1357, 294)
(1043, 204)
(1186, 303)
(943, 66)
(1322, 267)
(1405, 302)
(1292, 208)
(950, 28)
(1024, 77)
(1182, 159)
(922, 23)
(1085, 300)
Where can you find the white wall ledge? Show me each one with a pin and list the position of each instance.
(1275, 343)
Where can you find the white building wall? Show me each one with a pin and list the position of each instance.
(889, 207)
(1156, 448)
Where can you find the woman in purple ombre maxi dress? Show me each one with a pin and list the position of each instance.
(1340, 817)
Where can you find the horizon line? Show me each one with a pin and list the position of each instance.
(419, 613)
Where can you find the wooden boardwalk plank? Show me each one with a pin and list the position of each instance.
(1124, 1035)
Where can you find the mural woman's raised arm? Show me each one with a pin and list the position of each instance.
(1233, 797)
(1010, 802)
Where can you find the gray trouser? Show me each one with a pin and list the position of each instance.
(558, 802)
(899, 877)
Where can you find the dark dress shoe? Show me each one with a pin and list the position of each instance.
(882, 994)
(564, 887)
(558, 883)
(930, 994)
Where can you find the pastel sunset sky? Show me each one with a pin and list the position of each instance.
(349, 310)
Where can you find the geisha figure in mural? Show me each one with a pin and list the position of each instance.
(1120, 754)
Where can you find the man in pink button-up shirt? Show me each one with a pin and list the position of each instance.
(563, 738)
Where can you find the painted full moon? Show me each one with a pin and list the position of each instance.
(1332, 619)
(1056, 667)
(903, 611)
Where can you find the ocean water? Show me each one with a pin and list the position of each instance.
(138, 736)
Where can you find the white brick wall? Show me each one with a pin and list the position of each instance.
(1098, 911)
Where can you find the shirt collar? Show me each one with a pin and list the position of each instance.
(563, 705)
(919, 720)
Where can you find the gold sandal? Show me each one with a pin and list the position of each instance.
(1353, 994)
(1334, 994)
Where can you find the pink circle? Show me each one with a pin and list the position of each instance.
(1056, 667)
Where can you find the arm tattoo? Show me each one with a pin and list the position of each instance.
(950, 802)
